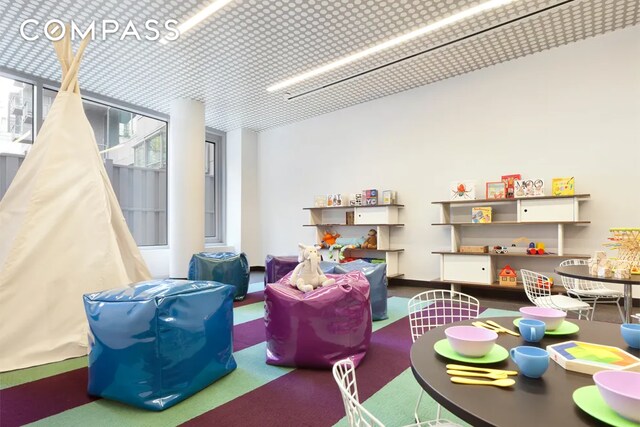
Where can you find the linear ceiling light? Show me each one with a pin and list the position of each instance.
(390, 43)
(200, 16)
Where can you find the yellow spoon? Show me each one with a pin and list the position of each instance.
(504, 382)
(502, 328)
(455, 367)
(491, 375)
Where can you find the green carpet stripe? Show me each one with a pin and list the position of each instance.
(393, 404)
(21, 376)
(247, 313)
(10, 379)
(252, 372)
(495, 312)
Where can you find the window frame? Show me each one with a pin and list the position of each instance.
(220, 137)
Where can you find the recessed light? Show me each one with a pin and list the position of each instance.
(200, 16)
(492, 4)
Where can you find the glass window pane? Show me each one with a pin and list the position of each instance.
(16, 128)
(134, 151)
(210, 190)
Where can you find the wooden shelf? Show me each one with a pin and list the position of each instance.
(395, 276)
(378, 250)
(485, 201)
(557, 289)
(351, 207)
(521, 255)
(352, 225)
(512, 222)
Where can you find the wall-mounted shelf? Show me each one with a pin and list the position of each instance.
(353, 225)
(519, 288)
(351, 207)
(512, 223)
(514, 200)
(381, 217)
(520, 255)
(466, 269)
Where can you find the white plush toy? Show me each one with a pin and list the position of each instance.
(307, 275)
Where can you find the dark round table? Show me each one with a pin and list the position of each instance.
(582, 272)
(543, 402)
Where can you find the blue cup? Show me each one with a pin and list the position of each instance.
(532, 361)
(631, 334)
(532, 330)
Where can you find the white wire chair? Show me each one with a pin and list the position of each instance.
(540, 295)
(589, 291)
(357, 415)
(430, 309)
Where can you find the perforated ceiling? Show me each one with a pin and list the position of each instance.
(230, 59)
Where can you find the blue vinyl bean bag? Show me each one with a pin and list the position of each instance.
(376, 274)
(224, 267)
(159, 342)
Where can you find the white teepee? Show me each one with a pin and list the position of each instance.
(62, 234)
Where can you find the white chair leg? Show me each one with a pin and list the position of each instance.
(438, 412)
(620, 310)
(593, 309)
(415, 412)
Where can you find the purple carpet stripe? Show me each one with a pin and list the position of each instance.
(311, 397)
(248, 334)
(49, 396)
(39, 399)
(251, 298)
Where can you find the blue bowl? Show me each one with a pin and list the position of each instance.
(631, 334)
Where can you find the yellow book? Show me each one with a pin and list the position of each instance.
(563, 186)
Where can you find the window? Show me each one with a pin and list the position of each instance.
(16, 127)
(213, 215)
(134, 150)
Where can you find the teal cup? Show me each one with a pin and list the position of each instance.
(631, 334)
(532, 330)
(532, 361)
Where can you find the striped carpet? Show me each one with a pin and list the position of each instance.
(255, 394)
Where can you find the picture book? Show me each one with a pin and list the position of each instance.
(563, 186)
(509, 182)
(481, 215)
(462, 190)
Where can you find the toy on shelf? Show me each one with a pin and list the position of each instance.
(509, 183)
(496, 190)
(563, 186)
(342, 244)
(627, 242)
(544, 284)
(507, 276)
(389, 197)
(473, 249)
(463, 190)
(320, 201)
(355, 199)
(536, 248)
(481, 215)
(337, 200)
(370, 197)
(372, 240)
(307, 275)
(329, 239)
(499, 249)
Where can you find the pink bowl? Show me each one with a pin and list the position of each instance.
(470, 341)
(621, 391)
(550, 316)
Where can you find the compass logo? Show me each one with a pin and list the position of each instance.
(151, 29)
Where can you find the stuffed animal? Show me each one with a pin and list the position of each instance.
(372, 240)
(307, 275)
(329, 239)
(344, 243)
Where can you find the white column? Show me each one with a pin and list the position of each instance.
(186, 184)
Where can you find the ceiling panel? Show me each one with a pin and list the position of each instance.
(230, 59)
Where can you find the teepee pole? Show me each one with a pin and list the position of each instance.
(69, 82)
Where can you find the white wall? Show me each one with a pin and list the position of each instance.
(570, 111)
(242, 194)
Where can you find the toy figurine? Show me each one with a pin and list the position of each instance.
(372, 240)
(307, 275)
